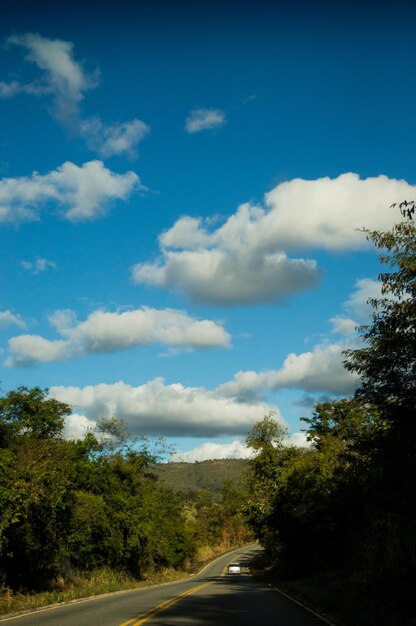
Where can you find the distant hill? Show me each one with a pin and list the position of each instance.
(202, 475)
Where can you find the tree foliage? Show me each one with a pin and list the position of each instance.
(73, 506)
(346, 503)
(387, 362)
(77, 505)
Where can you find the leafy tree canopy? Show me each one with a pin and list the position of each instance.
(387, 362)
(31, 412)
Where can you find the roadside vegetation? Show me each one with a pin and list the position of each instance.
(80, 586)
(337, 520)
(84, 517)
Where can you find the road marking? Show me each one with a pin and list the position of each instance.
(147, 615)
(304, 606)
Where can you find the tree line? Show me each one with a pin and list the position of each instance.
(344, 506)
(71, 507)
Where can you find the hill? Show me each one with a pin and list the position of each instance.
(202, 475)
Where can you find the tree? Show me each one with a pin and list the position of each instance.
(82, 504)
(387, 368)
(387, 362)
(34, 479)
(32, 413)
(266, 440)
(345, 505)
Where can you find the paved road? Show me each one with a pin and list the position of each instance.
(211, 598)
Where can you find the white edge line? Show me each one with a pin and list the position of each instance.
(304, 606)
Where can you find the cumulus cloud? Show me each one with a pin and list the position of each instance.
(234, 450)
(157, 408)
(204, 119)
(298, 440)
(225, 278)
(66, 80)
(109, 140)
(81, 193)
(357, 306)
(105, 332)
(212, 450)
(38, 266)
(326, 213)
(230, 409)
(77, 426)
(7, 318)
(246, 260)
(343, 325)
(320, 370)
(225, 267)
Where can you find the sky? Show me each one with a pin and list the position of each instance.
(183, 188)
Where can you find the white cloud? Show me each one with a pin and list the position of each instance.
(7, 318)
(29, 349)
(105, 332)
(343, 325)
(211, 450)
(204, 119)
(297, 439)
(81, 193)
(326, 213)
(230, 409)
(63, 76)
(77, 426)
(227, 278)
(38, 266)
(234, 450)
(113, 139)
(245, 260)
(66, 81)
(357, 305)
(320, 370)
(170, 410)
(14, 88)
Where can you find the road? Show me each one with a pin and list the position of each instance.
(210, 598)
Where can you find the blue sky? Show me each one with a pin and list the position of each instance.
(181, 188)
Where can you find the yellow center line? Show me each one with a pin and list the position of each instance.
(147, 615)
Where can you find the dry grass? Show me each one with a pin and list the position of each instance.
(98, 582)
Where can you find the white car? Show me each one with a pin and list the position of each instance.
(234, 568)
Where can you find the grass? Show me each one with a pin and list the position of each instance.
(98, 582)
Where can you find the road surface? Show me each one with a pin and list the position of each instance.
(210, 598)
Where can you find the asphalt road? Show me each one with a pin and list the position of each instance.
(211, 597)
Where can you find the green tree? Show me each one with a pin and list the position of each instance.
(68, 505)
(387, 362)
(387, 368)
(34, 479)
(266, 441)
(306, 505)
(31, 413)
